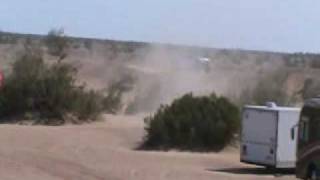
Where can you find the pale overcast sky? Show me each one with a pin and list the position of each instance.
(276, 25)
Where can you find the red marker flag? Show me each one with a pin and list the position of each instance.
(1, 79)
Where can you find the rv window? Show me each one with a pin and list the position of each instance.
(306, 131)
(304, 126)
(314, 129)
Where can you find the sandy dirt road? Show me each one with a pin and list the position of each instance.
(105, 151)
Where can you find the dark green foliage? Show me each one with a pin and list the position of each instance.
(88, 105)
(206, 123)
(47, 93)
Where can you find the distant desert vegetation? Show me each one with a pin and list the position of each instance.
(154, 74)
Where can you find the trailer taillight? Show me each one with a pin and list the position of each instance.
(1, 79)
(244, 150)
(271, 151)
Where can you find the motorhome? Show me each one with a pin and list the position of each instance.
(308, 148)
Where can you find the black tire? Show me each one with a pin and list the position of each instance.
(270, 168)
(313, 174)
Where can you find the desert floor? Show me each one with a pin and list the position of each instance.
(105, 151)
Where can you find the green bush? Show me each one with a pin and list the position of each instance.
(207, 123)
(48, 94)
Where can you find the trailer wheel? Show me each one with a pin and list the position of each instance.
(313, 173)
(270, 168)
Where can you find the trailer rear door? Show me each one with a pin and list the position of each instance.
(259, 136)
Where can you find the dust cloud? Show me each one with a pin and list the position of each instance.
(165, 73)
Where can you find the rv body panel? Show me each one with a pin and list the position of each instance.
(259, 136)
(286, 148)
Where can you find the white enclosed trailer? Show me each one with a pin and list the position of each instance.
(266, 136)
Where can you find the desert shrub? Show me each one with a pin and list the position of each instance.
(315, 63)
(207, 123)
(295, 60)
(270, 87)
(76, 45)
(3, 38)
(311, 88)
(46, 93)
(57, 43)
(88, 44)
(113, 100)
(8, 38)
(89, 104)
